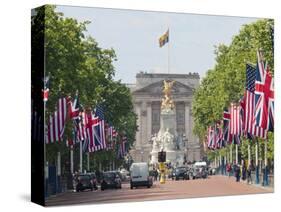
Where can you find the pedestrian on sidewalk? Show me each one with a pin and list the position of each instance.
(249, 174)
(237, 172)
(155, 174)
(228, 169)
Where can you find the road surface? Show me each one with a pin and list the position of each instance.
(213, 186)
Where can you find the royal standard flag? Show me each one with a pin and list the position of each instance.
(164, 39)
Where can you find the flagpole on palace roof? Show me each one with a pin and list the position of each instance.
(169, 50)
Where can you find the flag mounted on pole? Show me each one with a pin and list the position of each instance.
(164, 39)
(74, 108)
(264, 96)
(235, 123)
(57, 122)
(227, 136)
(100, 127)
(210, 137)
(250, 128)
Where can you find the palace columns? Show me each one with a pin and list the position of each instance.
(148, 121)
(187, 120)
(138, 133)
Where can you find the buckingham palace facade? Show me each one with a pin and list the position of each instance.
(147, 95)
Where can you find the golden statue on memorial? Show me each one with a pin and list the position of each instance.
(167, 102)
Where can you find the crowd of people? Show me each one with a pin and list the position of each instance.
(241, 171)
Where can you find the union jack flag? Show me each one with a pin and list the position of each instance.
(218, 136)
(264, 96)
(74, 108)
(227, 137)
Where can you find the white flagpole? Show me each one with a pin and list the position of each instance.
(249, 153)
(265, 152)
(168, 50)
(230, 154)
(257, 154)
(88, 161)
(81, 158)
(236, 155)
(257, 161)
(59, 164)
(71, 161)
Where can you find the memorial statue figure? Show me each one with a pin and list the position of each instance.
(167, 102)
(168, 140)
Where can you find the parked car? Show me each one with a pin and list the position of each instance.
(83, 182)
(110, 179)
(140, 175)
(180, 173)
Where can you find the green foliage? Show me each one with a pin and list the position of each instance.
(76, 62)
(225, 83)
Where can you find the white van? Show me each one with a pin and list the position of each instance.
(140, 175)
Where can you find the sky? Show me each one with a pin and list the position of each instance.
(134, 37)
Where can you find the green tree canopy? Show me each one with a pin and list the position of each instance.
(75, 62)
(225, 83)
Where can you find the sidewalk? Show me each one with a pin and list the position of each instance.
(268, 188)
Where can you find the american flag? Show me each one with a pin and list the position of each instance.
(235, 123)
(264, 96)
(210, 137)
(100, 128)
(57, 122)
(250, 128)
(80, 125)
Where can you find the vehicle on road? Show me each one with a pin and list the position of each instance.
(140, 175)
(111, 179)
(125, 174)
(211, 170)
(83, 182)
(180, 173)
(200, 170)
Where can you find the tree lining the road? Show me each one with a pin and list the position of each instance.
(225, 83)
(74, 62)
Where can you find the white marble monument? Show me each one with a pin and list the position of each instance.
(167, 139)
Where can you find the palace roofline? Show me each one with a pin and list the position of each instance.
(166, 75)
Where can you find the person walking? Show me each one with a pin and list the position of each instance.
(228, 169)
(237, 172)
(249, 174)
(155, 174)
